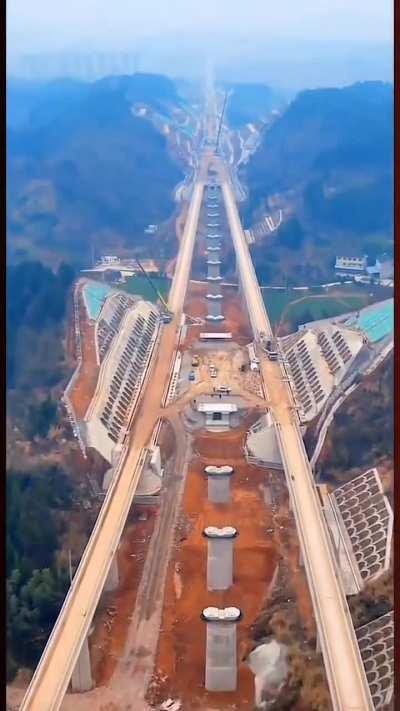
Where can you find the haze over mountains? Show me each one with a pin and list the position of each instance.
(80, 163)
(238, 58)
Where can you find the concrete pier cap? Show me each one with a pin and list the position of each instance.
(227, 532)
(213, 470)
(221, 614)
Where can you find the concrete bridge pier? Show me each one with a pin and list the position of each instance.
(301, 561)
(220, 556)
(112, 580)
(239, 281)
(221, 648)
(81, 679)
(214, 304)
(215, 286)
(218, 484)
(213, 266)
(214, 249)
(213, 244)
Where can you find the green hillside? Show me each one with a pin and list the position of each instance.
(82, 167)
(329, 159)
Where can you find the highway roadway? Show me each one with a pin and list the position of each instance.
(343, 664)
(53, 673)
(184, 261)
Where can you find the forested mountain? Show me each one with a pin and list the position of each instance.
(82, 166)
(36, 585)
(37, 364)
(38, 495)
(329, 158)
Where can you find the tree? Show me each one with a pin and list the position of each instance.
(41, 418)
(32, 608)
(291, 234)
(66, 275)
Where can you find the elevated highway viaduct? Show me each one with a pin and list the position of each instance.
(345, 673)
(344, 668)
(62, 652)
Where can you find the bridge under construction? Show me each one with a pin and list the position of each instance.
(66, 653)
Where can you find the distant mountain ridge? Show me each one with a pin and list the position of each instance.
(324, 130)
(250, 102)
(330, 157)
(81, 164)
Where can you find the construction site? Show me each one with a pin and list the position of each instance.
(154, 616)
(202, 592)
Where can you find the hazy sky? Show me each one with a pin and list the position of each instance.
(52, 25)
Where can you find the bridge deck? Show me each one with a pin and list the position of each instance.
(343, 663)
(51, 678)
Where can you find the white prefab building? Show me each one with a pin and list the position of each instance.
(351, 264)
(109, 259)
(217, 414)
(216, 336)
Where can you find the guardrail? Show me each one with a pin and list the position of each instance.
(337, 687)
(345, 672)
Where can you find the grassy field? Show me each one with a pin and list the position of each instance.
(276, 302)
(312, 308)
(140, 286)
(296, 307)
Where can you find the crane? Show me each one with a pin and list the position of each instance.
(165, 314)
(220, 122)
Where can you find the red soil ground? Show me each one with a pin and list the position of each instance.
(85, 384)
(181, 652)
(236, 320)
(108, 639)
